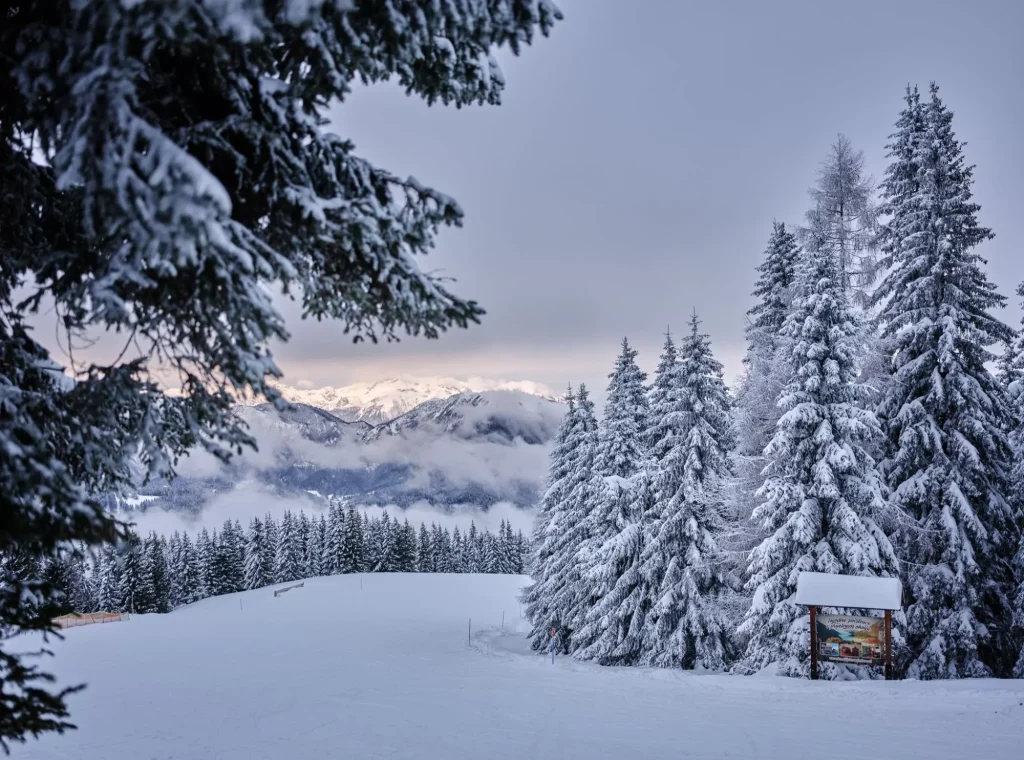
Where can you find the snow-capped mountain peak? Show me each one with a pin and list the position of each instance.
(389, 398)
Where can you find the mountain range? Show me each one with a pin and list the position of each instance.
(385, 400)
(471, 448)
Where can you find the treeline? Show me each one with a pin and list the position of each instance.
(158, 573)
(875, 431)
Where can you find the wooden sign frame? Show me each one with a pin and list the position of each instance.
(814, 644)
(816, 590)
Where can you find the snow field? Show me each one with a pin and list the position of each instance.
(378, 666)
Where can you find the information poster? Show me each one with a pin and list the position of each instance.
(851, 639)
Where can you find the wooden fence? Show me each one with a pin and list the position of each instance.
(286, 588)
(89, 618)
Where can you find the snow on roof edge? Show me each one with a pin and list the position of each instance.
(854, 591)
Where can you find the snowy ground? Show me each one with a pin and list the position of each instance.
(378, 666)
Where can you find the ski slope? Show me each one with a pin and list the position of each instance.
(378, 666)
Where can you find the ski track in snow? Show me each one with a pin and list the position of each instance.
(332, 670)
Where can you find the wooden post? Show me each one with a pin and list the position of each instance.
(888, 645)
(469, 633)
(814, 644)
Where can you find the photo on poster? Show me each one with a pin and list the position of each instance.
(851, 639)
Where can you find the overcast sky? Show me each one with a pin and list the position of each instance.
(640, 155)
(641, 152)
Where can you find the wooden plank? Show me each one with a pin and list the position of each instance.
(814, 644)
(888, 645)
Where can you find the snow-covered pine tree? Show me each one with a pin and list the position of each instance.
(287, 564)
(842, 219)
(271, 528)
(492, 554)
(621, 454)
(944, 415)
(173, 569)
(522, 553)
(755, 412)
(313, 555)
(535, 597)
(509, 550)
(354, 555)
(444, 553)
(249, 190)
(458, 551)
(388, 536)
(620, 449)
(156, 549)
(424, 551)
(616, 630)
(204, 561)
(110, 580)
(230, 562)
(822, 499)
(373, 544)
(1011, 376)
(560, 593)
(681, 562)
(473, 555)
(405, 548)
(190, 586)
(136, 581)
(334, 548)
(257, 574)
(302, 535)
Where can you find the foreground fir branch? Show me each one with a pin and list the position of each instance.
(163, 167)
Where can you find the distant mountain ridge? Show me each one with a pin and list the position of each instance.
(471, 449)
(387, 399)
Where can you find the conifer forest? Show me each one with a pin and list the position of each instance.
(876, 430)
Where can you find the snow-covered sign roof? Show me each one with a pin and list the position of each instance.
(829, 590)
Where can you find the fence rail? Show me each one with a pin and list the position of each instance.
(287, 588)
(89, 618)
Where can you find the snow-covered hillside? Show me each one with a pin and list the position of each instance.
(392, 397)
(378, 666)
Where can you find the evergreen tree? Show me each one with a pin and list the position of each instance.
(682, 561)
(425, 550)
(765, 373)
(302, 538)
(458, 551)
(616, 630)
(373, 544)
(620, 449)
(157, 551)
(189, 580)
(287, 566)
(270, 527)
(522, 553)
(314, 550)
(204, 562)
(822, 499)
(168, 222)
(354, 558)
(257, 574)
(944, 415)
(773, 291)
(473, 555)
(110, 569)
(558, 597)
(229, 567)
(136, 578)
(493, 553)
(405, 548)
(334, 549)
